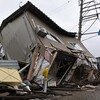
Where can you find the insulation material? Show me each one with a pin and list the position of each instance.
(39, 69)
(10, 76)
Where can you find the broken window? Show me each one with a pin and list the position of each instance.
(53, 38)
(41, 31)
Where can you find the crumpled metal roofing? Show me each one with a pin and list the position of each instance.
(9, 64)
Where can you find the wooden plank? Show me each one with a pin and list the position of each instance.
(31, 69)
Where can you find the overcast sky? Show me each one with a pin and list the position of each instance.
(63, 12)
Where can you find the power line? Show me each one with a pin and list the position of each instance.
(89, 38)
(73, 27)
(85, 8)
(95, 19)
(90, 26)
(60, 7)
(97, 15)
(97, 11)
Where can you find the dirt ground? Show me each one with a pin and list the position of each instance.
(77, 95)
(88, 94)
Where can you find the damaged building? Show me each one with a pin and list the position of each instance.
(38, 44)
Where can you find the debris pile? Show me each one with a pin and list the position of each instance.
(40, 61)
(48, 70)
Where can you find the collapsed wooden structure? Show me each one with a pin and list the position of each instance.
(37, 43)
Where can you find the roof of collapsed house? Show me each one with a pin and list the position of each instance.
(34, 10)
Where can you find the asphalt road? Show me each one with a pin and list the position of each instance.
(79, 95)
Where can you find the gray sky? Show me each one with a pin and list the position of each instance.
(63, 12)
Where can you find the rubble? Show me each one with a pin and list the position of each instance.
(45, 60)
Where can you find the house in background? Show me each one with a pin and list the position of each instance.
(29, 36)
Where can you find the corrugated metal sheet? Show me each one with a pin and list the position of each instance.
(9, 64)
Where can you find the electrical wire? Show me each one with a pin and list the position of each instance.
(59, 8)
(89, 38)
(96, 11)
(94, 20)
(84, 14)
(90, 26)
(73, 27)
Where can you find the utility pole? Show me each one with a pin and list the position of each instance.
(80, 20)
(88, 12)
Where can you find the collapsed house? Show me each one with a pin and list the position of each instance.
(34, 40)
